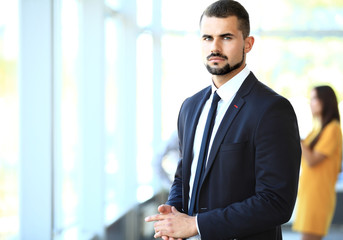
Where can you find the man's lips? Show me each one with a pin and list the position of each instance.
(216, 59)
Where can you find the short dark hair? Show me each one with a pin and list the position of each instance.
(227, 8)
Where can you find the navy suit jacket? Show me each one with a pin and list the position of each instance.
(250, 183)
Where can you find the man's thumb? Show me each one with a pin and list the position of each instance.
(164, 208)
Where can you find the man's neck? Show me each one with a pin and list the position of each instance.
(220, 80)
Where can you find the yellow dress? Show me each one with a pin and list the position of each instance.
(316, 200)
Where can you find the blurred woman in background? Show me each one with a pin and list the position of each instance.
(321, 164)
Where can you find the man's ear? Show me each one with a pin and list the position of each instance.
(249, 42)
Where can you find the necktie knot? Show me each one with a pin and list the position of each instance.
(216, 98)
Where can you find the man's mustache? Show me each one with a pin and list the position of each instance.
(216, 55)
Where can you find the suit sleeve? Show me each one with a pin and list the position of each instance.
(277, 159)
(175, 194)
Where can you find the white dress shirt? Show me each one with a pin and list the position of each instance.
(226, 92)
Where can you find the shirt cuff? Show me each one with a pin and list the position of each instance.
(196, 221)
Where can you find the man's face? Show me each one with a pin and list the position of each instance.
(222, 45)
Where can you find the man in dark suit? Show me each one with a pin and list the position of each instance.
(246, 186)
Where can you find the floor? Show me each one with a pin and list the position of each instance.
(336, 233)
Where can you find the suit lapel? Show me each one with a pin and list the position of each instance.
(193, 116)
(235, 107)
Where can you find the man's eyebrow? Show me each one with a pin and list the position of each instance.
(221, 35)
(227, 35)
(206, 36)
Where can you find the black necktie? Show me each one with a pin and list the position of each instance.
(203, 152)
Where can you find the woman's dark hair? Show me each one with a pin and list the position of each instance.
(227, 8)
(327, 97)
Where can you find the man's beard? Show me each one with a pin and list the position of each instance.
(226, 69)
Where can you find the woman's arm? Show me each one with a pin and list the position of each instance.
(311, 157)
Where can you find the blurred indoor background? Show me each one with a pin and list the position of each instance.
(90, 92)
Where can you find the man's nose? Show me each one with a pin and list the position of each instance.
(216, 46)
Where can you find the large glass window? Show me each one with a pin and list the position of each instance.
(120, 110)
(120, 70)
(68, 149)
(9, 120)
(120, 151)
(112, 150)
(145, 113)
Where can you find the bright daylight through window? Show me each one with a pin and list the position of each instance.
(108, 85)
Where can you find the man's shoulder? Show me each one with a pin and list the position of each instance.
(262, 96)
(263, 91)
(195, 98)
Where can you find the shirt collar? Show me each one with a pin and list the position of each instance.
(230, 88)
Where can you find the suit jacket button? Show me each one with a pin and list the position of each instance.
(202, 210)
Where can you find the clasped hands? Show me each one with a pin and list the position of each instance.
(171, 224)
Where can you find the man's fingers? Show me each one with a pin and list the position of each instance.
(158, 235)
(163, 209)
(153, 218)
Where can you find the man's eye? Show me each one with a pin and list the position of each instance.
(227, 38)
